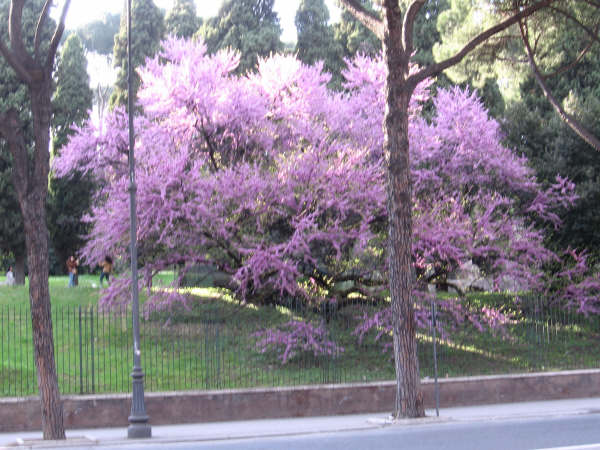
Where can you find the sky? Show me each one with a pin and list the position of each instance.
(86, 11)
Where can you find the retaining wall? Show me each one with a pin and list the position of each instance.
(90, 411)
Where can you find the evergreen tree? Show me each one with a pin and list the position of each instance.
(315, 36)
(182, 21)
(147, 30)
(69, 199)
(249, 26)
(14, 94)
(553, 148)
(535, 128)
(99, 36)
(12, 239)
(354, 37)
(426, 32)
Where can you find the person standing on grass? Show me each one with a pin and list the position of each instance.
(10, 278)
(106, 269)
(72, 264)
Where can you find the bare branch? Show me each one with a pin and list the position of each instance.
(60, 27)
(435, 69)
(19, 58)
(39, 27)
(366, 17)
(409, 21)
(570, 120)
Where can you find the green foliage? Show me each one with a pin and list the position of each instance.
(73, 96)
(315, 35)
(147, 30)
(353, 36)
(14, 94)
(249, 26)
(12, 238)
(493, 62)
(426, 34)
(68, 198)
(553, 148)
(537, 131)
(99, 36)
(182, 20)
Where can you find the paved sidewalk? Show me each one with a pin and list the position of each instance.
(296, 426)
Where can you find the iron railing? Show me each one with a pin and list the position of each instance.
(213, 346)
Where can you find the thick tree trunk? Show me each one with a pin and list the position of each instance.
(36, 238)
(409, 402)
(39, 297)
(19, 268)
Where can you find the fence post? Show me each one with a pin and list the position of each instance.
(80, 356)
(435, 368)
(92, 345)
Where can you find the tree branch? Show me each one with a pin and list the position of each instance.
(366, 17)
(57, 35)
(435, 69)
(409, 21)
(39, 27)
(15, 26)
(570, 120)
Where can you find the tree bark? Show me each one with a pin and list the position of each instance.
(33, 207)
(19, 268)
(36, 233)
(409, 402)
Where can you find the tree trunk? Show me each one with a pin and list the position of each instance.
(39, 297)
(409, 401)
(36, 238)
(19, 268)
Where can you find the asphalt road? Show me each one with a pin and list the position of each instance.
(581, 432)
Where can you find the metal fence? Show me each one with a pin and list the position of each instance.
(214, 346)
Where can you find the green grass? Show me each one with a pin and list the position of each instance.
(60, 294)
(212, 345)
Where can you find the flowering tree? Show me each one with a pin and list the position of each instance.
(280, 183)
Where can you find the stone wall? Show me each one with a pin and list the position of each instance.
(95, 411)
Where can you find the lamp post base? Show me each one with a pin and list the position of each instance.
(139, 431)
(139, 428)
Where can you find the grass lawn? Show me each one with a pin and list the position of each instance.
(213, 345)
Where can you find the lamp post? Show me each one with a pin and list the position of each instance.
(138, 419)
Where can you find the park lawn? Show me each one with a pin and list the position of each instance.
(212, 345)
(86, 293)
(60, 294)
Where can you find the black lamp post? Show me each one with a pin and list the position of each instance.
(138, 419)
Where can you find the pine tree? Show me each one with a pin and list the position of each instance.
(354, 37)
(182, 21)
(69, 199)
(147, 30)
(99, 36)
(249, 26)
(315, 36)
